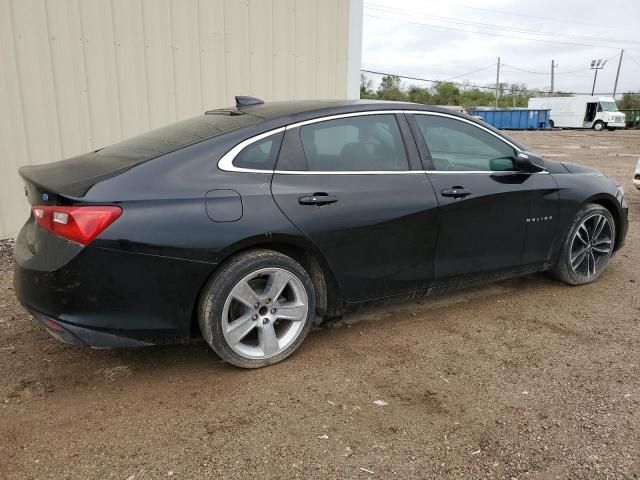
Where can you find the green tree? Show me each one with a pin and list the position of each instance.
(473, 98)
(446, 93)
(630, 101)
(391, 88)
(366, 90)
(419, 95)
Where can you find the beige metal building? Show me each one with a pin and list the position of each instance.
(76, 75)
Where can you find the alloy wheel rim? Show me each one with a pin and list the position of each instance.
(591, 246)
(264, 313)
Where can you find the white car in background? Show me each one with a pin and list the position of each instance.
(636, 175)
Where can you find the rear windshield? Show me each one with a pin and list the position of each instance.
(175, 136)
(75, 176)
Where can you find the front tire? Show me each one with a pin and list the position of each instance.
(258, 309)
(598, 126)
(588, 246)
(611, 129)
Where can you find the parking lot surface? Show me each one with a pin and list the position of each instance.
(525, 379)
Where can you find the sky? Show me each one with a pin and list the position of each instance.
(461, 40)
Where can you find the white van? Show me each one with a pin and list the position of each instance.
(581, 112)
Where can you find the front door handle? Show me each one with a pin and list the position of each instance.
(319, 199)
(456, 192)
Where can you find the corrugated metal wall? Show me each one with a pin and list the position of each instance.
(76, 75)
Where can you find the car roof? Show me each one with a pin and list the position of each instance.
(282, 113)
(299, 110)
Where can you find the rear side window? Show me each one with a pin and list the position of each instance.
(457, 145)
(364, 143)
(260, 155)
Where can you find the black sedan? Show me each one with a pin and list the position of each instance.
(245, 224)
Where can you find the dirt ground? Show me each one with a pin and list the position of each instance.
(524, 379)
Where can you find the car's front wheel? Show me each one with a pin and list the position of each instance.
(588, 246)
(257, 309)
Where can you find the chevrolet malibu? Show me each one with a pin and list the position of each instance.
(244, 225)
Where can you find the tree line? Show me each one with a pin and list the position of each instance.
(464, 95)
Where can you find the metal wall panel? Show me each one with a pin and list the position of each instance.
(76, 75)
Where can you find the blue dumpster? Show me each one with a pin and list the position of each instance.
(524, 119)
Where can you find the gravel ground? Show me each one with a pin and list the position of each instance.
(524, 379)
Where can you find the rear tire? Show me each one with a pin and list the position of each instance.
(257, 309)
(551, 124)
(598, 126)
(588, 246)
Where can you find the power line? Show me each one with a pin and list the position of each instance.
(469, 73)
(481, 86)
(462, 84)
(631, 58)
(563, 21)
(557, 73)
(472, 23)
(490, 34)
(527, 71)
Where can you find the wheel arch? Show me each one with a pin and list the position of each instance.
(329, 301)
(609, 202)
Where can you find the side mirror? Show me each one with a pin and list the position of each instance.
(528, 162)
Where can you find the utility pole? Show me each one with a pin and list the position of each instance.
(615, 85)
(553, 66)
(513, 95)
(497, 82)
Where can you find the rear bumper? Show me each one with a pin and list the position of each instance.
(83, 337)
(107, 298)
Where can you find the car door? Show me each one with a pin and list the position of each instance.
(356, 189)
(485, 203)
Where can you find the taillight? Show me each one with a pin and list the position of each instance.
(79, 224)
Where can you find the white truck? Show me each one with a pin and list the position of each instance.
(581, 112)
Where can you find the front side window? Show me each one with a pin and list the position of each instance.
(362, 143)
(608, 107)
(456, 145)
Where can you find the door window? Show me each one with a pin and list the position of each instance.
(456, 145)
(363, 143)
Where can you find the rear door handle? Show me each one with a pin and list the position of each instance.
(456, 192)
(319, 199)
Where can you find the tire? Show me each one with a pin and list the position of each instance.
(551, 124)
(593, 231)
(598, 126)
(611, 129)
(257, 335)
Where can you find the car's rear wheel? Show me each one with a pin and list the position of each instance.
(588, 246)
(257, 309)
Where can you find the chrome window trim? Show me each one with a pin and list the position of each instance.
(482, 127)
(400, 172)
(349, 172)
(338, 116)
(226, 161)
